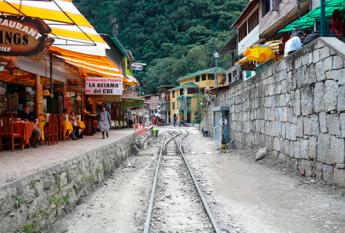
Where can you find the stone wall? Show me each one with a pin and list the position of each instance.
(35, 202)
(295, 108)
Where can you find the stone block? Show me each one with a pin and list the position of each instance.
(339, 177)
(311, 125)
(283, 114)
(312, 148)
(341, 99)
(323, 143)
(276, 144)
(318, 170)
(338, 63)
(316, 55)
(331, 95)
(337, 150)
(306, 100)
(324, 52)
(293, 129)
(333, 124)
(303, 148)
(327, 173)
(299, 127)
(323, 122)
(319, 92)
(63, 179)
(342, 124)
(320, 73)
(297, 149)
(335, 75)
(327, 64)
(297, 104)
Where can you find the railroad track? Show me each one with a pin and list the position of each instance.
(177, 203)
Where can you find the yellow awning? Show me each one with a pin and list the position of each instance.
(75, 39)
(91, 65)
(70, 29)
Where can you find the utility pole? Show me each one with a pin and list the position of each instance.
(323, 18)
(216, 56)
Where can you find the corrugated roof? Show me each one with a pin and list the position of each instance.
(201, 72)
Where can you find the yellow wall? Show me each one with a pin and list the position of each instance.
(194, 105)
(173, 103)
(202, 84)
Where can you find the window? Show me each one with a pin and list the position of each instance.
(253, 21)
(210, 76)
(197, 79)
(242, 32)
(204, 77)
(173, 94)
(266, 6)
(181, 92)
(173, 105)
(192, 91)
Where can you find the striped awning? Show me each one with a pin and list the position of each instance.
(75, 39)
(70, 29)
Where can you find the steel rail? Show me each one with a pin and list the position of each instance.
(154, 185)
(197, 187)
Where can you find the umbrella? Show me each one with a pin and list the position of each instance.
(259, 53)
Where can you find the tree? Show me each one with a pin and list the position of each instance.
(173, 37)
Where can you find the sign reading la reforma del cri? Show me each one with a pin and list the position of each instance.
(103, 86)
(23, 36)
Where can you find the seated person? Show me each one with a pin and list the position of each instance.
(294, 43)
(81, 126)
(75, 132)
(67, 126)
(27, 115)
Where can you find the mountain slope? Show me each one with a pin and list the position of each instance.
(174, 37)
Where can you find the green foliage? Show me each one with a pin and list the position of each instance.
(173, 36)
(27, 228)
(19, 200)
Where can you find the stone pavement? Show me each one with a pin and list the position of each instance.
(21, 163)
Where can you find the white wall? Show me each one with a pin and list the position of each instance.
(250, 39)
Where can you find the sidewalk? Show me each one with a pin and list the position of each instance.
(20, 163)
(250, 197)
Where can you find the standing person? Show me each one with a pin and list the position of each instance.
(294, 43)
(28, 115)
(104, 122)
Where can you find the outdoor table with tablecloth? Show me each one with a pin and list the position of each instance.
(24, 129)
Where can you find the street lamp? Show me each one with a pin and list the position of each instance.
(216, 56)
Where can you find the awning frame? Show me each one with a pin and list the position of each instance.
(73, 23)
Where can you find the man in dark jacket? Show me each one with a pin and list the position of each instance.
(312, 36)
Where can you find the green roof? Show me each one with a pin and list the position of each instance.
(201, 72)
(308, 20)
(117, 44)
(187, 85)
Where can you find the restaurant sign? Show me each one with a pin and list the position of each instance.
(22, 36)
(103, 86)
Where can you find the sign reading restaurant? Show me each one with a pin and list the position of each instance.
(22, 36)
(103, 86)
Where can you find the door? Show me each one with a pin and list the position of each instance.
(217, 126)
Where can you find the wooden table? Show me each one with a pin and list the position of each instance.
(25, 129)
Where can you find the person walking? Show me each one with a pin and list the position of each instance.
(104, 122)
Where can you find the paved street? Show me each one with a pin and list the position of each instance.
(245, 196)
(20, 163)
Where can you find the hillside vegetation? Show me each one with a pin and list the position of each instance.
(174, 37)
